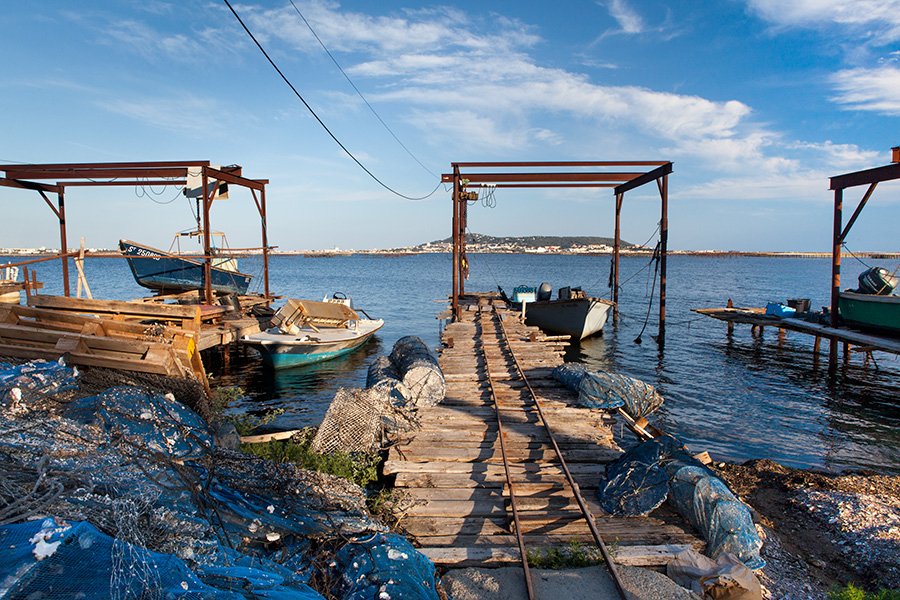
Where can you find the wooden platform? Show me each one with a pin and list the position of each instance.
(757, 317)
(452, 470)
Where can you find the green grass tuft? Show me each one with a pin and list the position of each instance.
(851, 592)
(359, 468)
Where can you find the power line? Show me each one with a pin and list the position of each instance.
(313, 113)
(347, 77)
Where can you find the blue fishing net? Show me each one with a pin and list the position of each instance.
(23, 384)
(599, 389)
(642, 478)
(154, 421)
(384, 566)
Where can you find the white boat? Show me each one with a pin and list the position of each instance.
(573, 313)
(307, 331)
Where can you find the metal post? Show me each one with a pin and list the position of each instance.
(836, 273)
(616, 248)
(455, 237)
(663, 242)
(265, 239)
(63, 243)
(207, 252)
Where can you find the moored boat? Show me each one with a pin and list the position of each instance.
(572, 313)
(306, 331)
(165, 272)
(872, 306)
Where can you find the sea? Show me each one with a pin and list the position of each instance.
(739, 397)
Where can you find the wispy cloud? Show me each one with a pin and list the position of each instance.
(629, 20)
(869, 18)
(876, 89)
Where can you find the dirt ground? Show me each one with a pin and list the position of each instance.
(857, 541)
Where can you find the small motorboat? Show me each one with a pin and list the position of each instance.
(573, 313)
(168, 273)
(872, 305)
(306, 331)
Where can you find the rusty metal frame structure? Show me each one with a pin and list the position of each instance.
(870, 177)
(135, 174)
(562, 175)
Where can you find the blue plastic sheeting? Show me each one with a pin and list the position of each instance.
(642, 478)
(384, 566)
(599, 389)
(154, 421)
(46, 559)
(570, 375)
(35, 380)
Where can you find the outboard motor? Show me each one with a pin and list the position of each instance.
(544, 292)
(877, 280)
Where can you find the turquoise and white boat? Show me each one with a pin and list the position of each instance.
(306, 331)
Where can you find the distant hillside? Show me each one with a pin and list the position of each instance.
(535, 241)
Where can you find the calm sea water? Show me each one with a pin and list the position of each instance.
(739, 398)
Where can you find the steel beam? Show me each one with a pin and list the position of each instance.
(647, 177)
(885, 173)
(476, 178)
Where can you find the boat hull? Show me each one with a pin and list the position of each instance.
(872, 312)
(577, 318)
(167, 273)
(283, 351)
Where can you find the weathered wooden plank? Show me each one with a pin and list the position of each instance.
(462, 557)
(486, 454)
(121, 307)
(402, 466)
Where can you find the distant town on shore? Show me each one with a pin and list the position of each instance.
(478, 243)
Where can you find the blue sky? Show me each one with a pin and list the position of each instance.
(757, 103)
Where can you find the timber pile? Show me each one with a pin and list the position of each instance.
(29, 332)
(452, 469)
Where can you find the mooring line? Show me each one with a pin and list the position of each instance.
(509, 483)
(575, 491)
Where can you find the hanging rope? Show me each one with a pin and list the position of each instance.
(656, 257)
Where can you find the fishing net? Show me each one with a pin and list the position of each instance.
(598, 389)
(143, 470)
(384, 566)
(641, 479)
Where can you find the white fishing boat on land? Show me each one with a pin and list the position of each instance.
(573, 313)
(307, 331)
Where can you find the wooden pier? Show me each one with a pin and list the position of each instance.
(757, 318)
(452, 470)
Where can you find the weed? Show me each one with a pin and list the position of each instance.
(851, 592)
(359, 468)
(573, 555)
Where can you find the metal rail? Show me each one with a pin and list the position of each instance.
(509, 483)
(575, 491)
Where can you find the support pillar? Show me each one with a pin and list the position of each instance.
(664, 243)
(835, 274)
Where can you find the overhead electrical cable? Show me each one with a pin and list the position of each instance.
(313, 113)
(353, 85)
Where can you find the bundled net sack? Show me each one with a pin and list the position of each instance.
(609, 390)
(384, 566)
(418, 369)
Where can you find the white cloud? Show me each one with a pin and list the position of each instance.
(876, 89)
(625, 16)
(186, 113)
(874, 15)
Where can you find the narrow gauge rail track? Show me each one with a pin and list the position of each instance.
(496, 324)
(452, 474)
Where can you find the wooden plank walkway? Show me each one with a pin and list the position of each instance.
(452, 470)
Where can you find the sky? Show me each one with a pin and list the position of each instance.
(756, 102)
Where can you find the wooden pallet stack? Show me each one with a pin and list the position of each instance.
(452, 471)
(84, 339)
